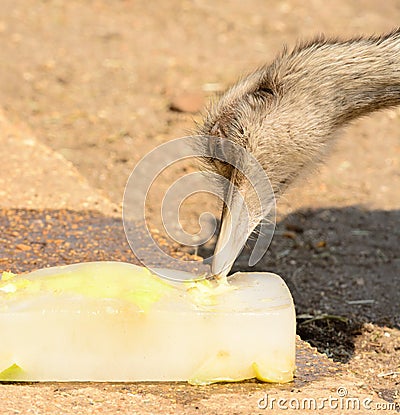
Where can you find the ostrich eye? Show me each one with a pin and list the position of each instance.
(264, 90)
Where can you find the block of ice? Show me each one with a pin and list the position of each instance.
(110, 321)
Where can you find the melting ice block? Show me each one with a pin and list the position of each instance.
(110, 321)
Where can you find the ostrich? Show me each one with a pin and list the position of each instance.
(287, 114)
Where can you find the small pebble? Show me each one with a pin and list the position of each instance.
(187, 102)
(23, 247)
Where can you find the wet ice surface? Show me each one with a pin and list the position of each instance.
(116, 321)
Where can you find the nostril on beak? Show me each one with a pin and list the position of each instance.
(215, 129)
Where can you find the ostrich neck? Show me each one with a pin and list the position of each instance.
(327, 84)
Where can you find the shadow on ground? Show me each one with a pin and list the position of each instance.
(342, 266)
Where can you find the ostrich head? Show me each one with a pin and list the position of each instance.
(241, 154)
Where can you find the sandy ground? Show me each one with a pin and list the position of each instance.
(94, 83)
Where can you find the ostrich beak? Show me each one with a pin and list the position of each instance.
(235, 229)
